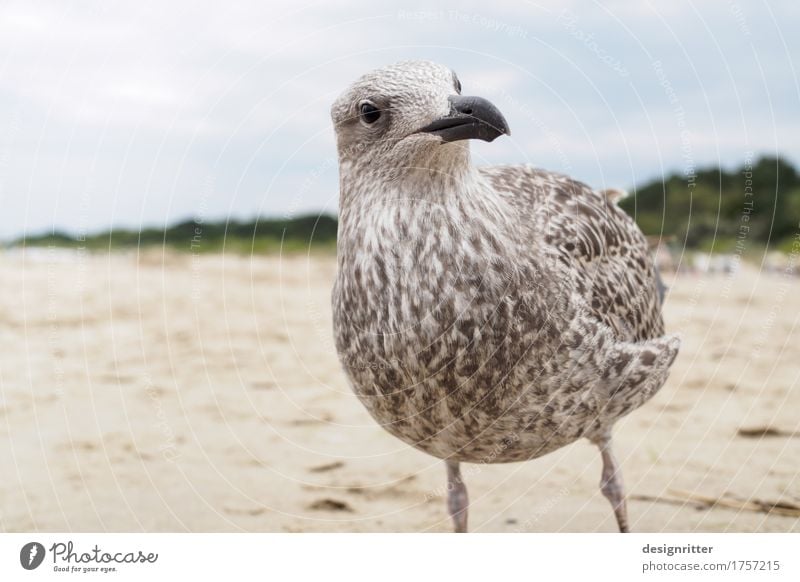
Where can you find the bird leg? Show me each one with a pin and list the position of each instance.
(611, 483)
(457, 501)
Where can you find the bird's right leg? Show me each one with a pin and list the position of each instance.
(611, 482)
(457, 501)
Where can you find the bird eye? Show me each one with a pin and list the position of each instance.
(369, 113)
(457, 84)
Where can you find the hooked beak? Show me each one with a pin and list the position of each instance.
(469, 118)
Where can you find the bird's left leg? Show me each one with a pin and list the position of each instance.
(611, 481)
(457, 501)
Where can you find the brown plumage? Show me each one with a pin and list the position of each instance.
(490, 314)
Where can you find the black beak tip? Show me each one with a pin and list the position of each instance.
(504, 129)
(470, 118)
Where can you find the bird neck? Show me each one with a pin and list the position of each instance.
(431, 175)
(449, 206)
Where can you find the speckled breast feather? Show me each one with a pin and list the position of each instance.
(492, 314)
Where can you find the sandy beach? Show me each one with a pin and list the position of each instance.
(172, 392)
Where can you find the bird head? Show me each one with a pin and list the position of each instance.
(411, 115)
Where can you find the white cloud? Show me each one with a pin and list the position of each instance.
(121, 111)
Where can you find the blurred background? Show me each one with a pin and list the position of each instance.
(136, 114)
(168, 187)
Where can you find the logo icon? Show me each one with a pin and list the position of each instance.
(31, 555)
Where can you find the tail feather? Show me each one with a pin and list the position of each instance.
(614, 195)
(636, 371)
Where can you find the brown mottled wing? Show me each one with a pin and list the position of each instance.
(605, 251)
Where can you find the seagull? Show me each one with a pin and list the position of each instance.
(484, 314)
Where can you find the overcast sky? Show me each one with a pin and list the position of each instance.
(130, 113)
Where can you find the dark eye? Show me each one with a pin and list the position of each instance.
(457, 84)
(369, 113)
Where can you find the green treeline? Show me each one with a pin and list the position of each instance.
(709, 209)
(759, 201)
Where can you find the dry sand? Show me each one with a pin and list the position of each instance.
(174, 392)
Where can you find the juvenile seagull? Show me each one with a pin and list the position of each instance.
(483, 315)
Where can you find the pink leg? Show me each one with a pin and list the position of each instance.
(611, 483)
(457, 500)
